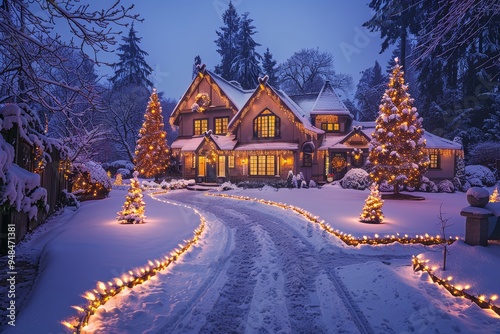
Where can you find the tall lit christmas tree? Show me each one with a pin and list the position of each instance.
(151, 151)
(134, 206)
(397, 149)
(495, 196)
(372, 211)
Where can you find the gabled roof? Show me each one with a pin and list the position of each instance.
(356, 130)
(222, 143)
(232, 93)
(281, 99)
(328, 102)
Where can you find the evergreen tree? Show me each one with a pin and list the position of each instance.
(372, 210)
(245, 65)
(118, 179)
(370, 87)
(396, 152)
(197, 61)
(132, 68)
(134, 206)
(495, 196)
(270, 69)
(227, 42)
(151, 152)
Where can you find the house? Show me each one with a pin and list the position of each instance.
(230, 134)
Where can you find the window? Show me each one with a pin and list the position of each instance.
(330, 127)
(200, 126)
(221, 125)
(201, 166)
(266, 125)
(230, 161)
(193, 162)
(222, 166)
(434, 161)
(262, 165)
(306, 160)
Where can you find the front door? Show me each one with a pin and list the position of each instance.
(211, 172)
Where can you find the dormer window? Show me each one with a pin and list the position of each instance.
(266, 125)
(330, 127)
(221, 125)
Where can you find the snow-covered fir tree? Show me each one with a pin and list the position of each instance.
(270, 69)
(227, 42)
(372, 210)
(245, 65)
(151, 151)
(132, 68)
(397, 149)
(134, 206)
(369, 89)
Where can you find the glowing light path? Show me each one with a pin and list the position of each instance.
(105, 291)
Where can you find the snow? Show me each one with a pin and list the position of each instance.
(253, 262)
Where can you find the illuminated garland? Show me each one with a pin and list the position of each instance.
(456, 290)
(347, 238)
(105, 291)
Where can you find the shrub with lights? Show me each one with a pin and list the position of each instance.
(372, 211)
(495, 196)
(90, 181)
(134, 206)
(151, 152)
(397, 149)
(118, 179)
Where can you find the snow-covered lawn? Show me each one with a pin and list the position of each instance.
(88, 245)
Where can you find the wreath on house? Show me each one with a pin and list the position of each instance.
(338, 163)
(201, 102)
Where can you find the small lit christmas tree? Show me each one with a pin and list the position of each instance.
(495, 197)
(118, 179)
(397, 149)
(133, 209)
(372, 211)
(109, 174)
(151, 152)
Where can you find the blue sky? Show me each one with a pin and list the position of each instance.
(174, 32)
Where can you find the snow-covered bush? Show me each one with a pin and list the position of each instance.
(173, 184)
(250, 184)
(457, 183)
(446, 186)
(124, 167)
(303, 184)
(227, 186)
(124, 172)
(486, 154)
(428, 186)
(479, 176)
(91, 181)
(68, 199)
(289, 179)
(355, 178)
(385, 187)
(312, 184)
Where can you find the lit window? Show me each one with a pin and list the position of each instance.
(201, 166)
(434, 161)
(200, 126)
(230, 161)
(330, 127)
(262, 165)
(221, 125)
(266, 125)
(222, 166)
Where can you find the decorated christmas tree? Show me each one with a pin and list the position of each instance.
(495, 196)
(133, 209)
(397, 149)
(372, 211)
(118, 179)
(151, 151)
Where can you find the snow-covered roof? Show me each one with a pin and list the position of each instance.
(330, 142)
(328, 102)
(190, 144)
(225, 143)
(305, 101)
(235, 93)
(268, 146)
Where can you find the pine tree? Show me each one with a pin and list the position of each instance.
(151, 152)
(227, 42)
(372, 211)
(134, 206)
(245, 65)
(369, 89)
(132, 68)
(270, 69)
(396, 152)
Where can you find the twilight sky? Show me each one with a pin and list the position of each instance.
(174, 32)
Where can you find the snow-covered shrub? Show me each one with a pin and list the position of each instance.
(147, 184)
(303, 184)
(466, 186)
(428, 186)
(124, 167)
(355, 178)
(486, 154)
(91, 181)
(479, 176)
(312, 184)
(124, 172)
(386, 187)
(227, 186)
(457, 183)
(299, 177)
(294, 182)
(68, 199)
(250, 184)
(446, 186)
(289, 179)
